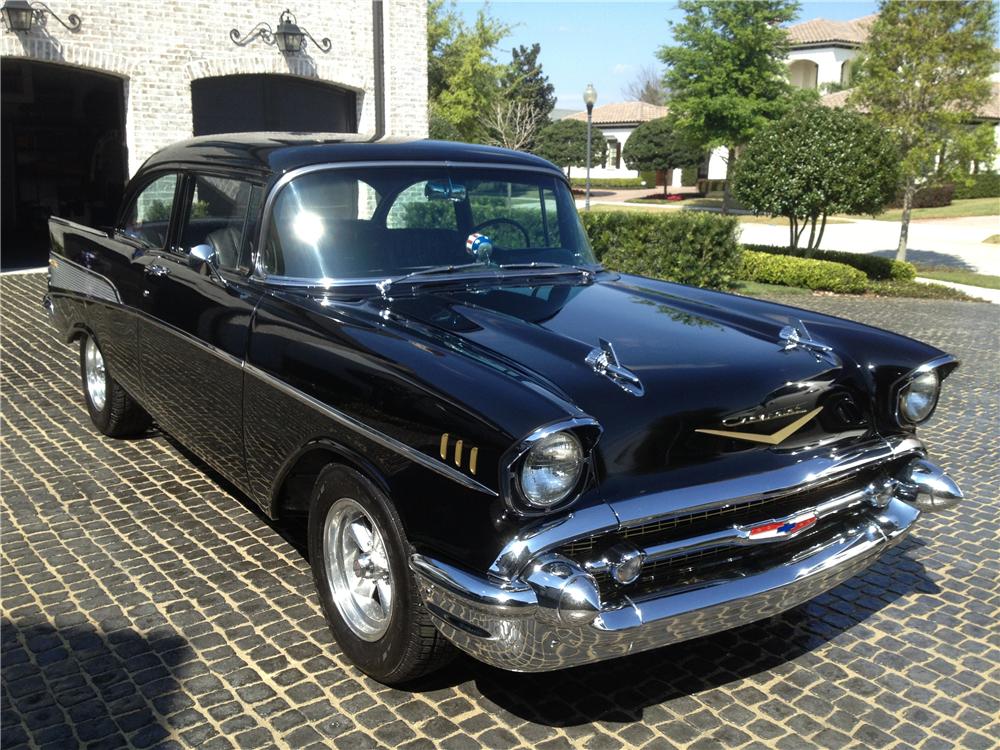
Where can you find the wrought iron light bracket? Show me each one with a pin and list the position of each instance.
(289, 37)
(20, 16)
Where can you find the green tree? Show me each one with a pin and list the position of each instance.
(726, 72)
(925, 74)
(815, 161)
(462, 74)
(660, 144)
(564, 143)
(523, 80)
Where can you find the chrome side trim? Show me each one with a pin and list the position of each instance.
(370, 433)
(265, 224)
(71, 276)
(806, 474)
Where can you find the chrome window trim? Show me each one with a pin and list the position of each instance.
(602, 518)
(265, 224)
(371, 433)
(508, 474)
(900, 383)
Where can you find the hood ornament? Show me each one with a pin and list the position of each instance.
(797, 336)
(605, 362)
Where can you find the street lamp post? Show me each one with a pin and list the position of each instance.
(589, 97)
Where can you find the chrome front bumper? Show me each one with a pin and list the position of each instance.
(551, 616)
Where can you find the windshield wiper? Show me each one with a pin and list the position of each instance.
(587, 272)
(386, 284)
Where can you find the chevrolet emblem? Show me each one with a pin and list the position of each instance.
(773, 439)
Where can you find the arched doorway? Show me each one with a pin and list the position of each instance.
(244, 103)
(63, 153)
(803, 74)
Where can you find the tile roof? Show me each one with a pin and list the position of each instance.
(820, 31)
(623, 113)
(990, 110)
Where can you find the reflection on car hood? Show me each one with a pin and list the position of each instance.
(716, 379)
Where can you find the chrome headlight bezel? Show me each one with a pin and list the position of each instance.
(585, 431)
(931, 374)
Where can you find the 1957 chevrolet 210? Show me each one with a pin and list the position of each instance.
(497, 443)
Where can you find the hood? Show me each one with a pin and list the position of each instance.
(716, 381)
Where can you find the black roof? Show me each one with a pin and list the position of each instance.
(281, 152)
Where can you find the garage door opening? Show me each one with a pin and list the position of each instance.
(63, 153)
(245, 103)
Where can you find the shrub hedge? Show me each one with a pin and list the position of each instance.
(769, 268)
(932, 196)
(609, 183)
(874, 266)
(984, 185)
(689, 247)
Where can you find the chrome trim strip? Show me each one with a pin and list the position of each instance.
(520, 630)
(71, 276)
(265, 223)
(808, 473)
(372, 434)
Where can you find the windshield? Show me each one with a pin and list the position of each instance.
(385, 222)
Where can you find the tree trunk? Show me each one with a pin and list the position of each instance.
(822, 228)
(904, 229)
(793, 228)
(812, 236)
(726, 191)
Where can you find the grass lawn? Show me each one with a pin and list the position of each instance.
(745, 218)
(756, 289)
(993, 239)
(962, 207)
(960, 277)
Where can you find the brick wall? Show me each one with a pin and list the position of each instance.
(159, 46)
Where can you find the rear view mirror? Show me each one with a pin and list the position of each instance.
(444, 190)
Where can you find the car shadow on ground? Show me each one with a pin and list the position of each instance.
(77, 682)
(619, 690)
(929, 258)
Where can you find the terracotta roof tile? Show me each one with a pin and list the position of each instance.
(623, 113)
(819, 31)
(989, 111)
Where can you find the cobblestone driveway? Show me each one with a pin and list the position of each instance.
(144, 603)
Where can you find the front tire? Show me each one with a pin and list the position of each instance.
(112, 410)
(358, 552)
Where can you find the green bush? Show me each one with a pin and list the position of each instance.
(930, 196)
(984, 185)
(608, 183)
(649, 177)
(690, 247)
(768, 268)
(689, 176)
(874, 266)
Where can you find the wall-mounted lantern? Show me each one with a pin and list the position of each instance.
(20, 15)
(289, 37)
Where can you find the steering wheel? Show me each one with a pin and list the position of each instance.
(504, 220)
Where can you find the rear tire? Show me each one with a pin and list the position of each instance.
(112, 410)
(359, 556)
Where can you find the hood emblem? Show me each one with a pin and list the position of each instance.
(797, 336)
(781, 528)
(775, 438)
(605, 362)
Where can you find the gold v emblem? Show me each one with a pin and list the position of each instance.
(778, 437)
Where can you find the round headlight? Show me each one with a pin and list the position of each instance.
(918, 398)
(551, 469)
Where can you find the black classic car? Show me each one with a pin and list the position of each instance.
(493, 441)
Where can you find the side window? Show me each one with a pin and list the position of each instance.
(413, 210)
(148, 219)
(216, 215)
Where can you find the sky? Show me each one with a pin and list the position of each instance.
(606, 42)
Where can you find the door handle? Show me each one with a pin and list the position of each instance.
(156, 270)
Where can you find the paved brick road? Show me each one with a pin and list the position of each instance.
(144, 603)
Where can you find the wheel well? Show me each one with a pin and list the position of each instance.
(291, 501)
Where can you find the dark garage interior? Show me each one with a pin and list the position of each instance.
(63, 153)
(246, 103)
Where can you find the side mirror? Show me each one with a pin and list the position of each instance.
(202, 259)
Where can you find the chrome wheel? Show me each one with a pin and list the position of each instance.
(96, 377)
(357, 569)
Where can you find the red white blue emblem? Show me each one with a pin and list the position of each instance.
(478, 245)
(783, 527)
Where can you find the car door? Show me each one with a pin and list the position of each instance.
(193, 341)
